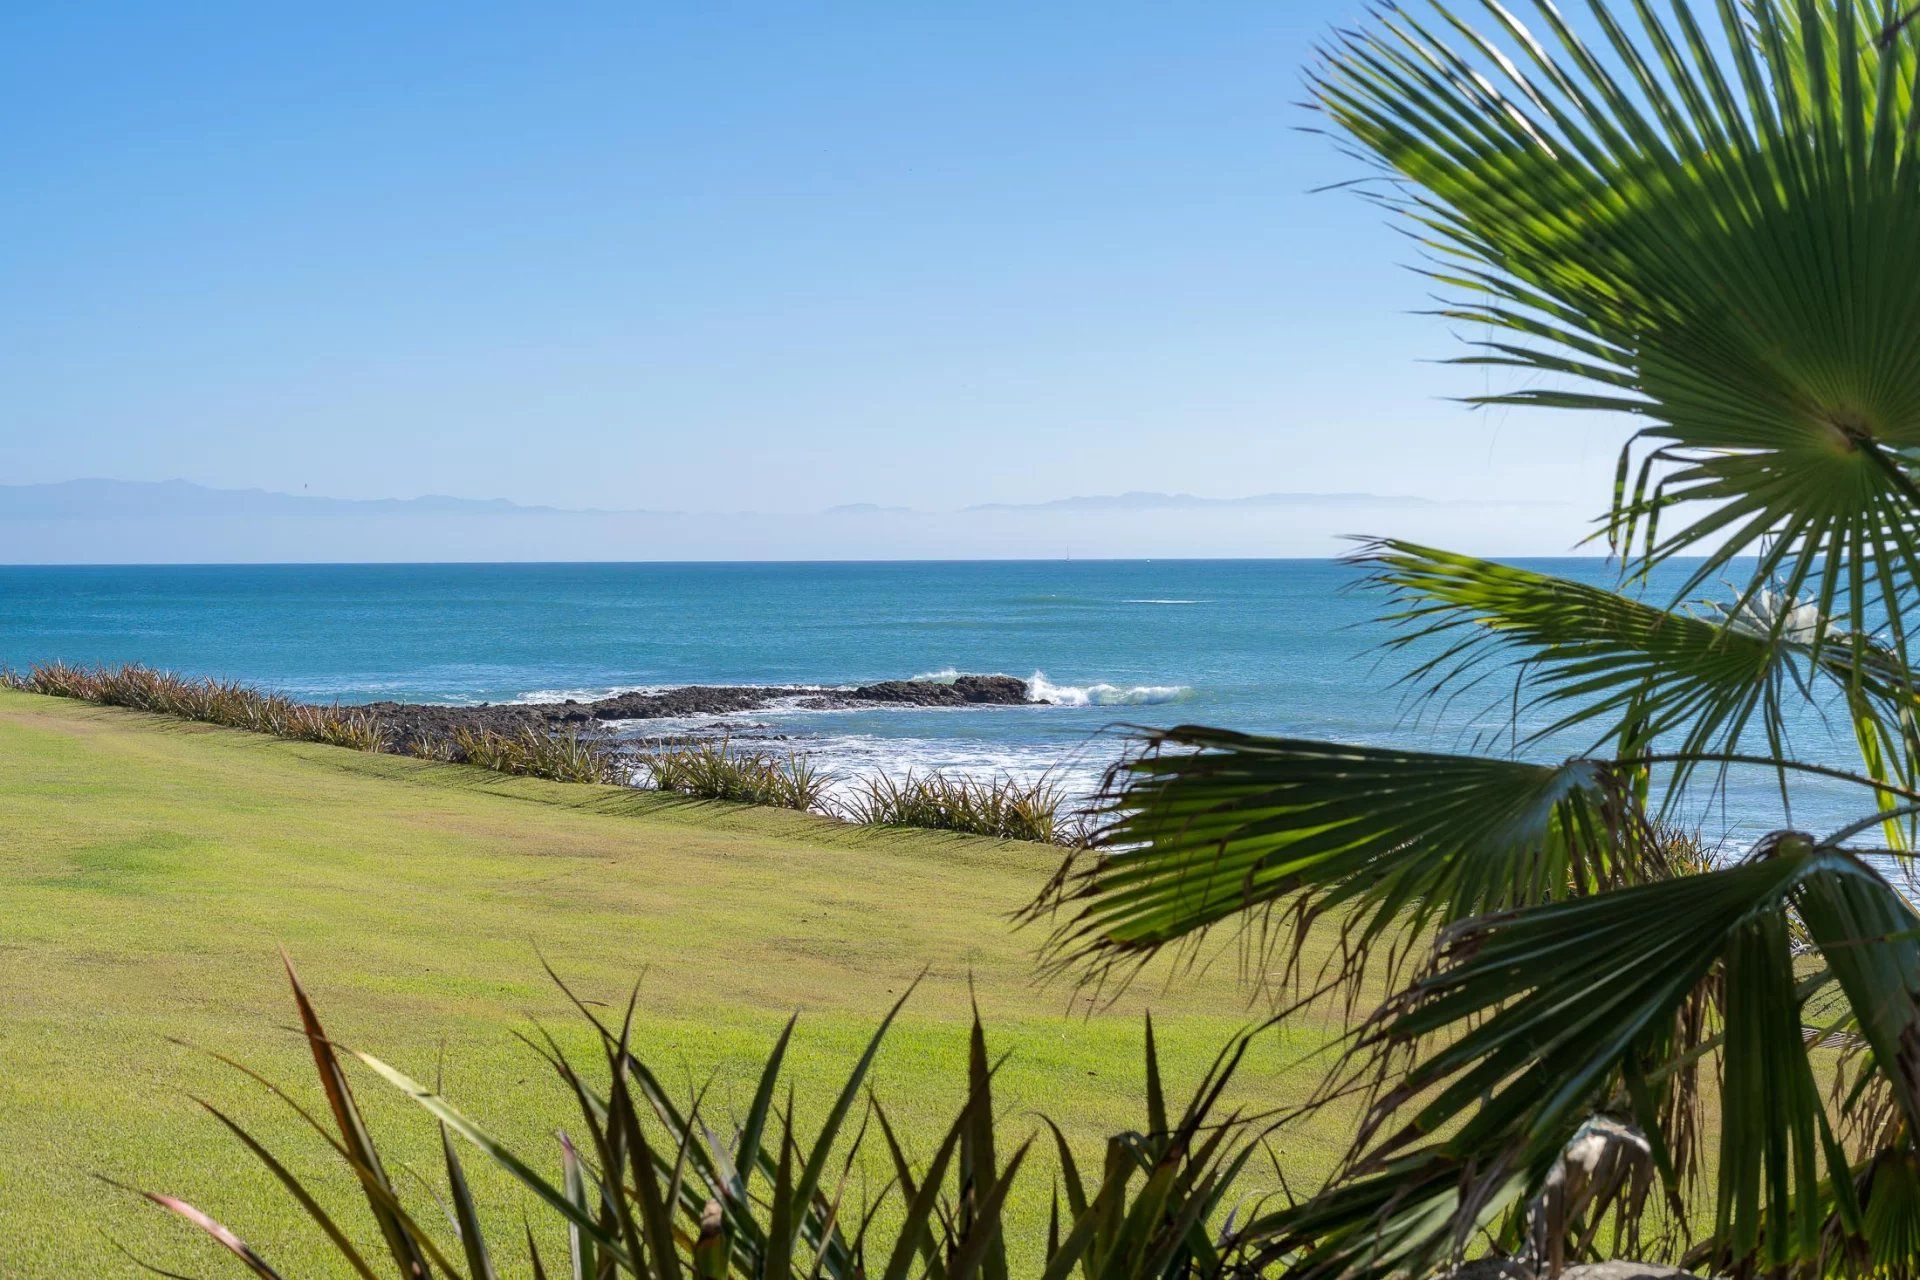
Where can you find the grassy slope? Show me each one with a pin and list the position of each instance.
(149, 868)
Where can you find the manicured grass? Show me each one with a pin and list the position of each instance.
(150, 867)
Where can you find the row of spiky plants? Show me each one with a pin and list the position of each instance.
(647, 1186)
(221, 702)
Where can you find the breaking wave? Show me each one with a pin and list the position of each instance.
(535, 697)
(1041, 689)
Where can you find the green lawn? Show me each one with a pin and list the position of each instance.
(149, 869)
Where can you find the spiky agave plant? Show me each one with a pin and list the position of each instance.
(716, 770)
(535, 753)
(1701, 217)
(1000, 805)
(648, 1188)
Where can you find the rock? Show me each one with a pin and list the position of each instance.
(416, 725)
(1489, 1269)
(912, 693)
(994, 690)
(694, 700)
(998, 690)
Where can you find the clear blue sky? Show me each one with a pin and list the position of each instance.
(717, 256)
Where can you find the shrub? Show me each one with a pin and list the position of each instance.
(558, 757)
(62, 680)
(340, 727)
(438, 750)
(648, 1188)
(714, 771)
(1002, 806)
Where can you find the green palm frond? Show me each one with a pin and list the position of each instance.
(1871, 942)
(1530, 1021)
(1209, 824)
(1706, 227)
(1695, 686)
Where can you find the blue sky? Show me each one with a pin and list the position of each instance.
(716, 256)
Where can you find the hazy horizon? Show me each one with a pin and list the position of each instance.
(97, 521)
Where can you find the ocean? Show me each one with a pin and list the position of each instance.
(1272, 646)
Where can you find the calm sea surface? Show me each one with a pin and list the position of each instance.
(1272, 646)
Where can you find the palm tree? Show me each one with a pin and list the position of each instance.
(1709, 222)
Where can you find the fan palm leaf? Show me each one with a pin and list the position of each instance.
(1705, 226)
(1208, 824)
(1537, 1011)
(1694, 686)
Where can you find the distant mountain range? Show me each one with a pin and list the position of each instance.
(1137, 500)
(174, 521)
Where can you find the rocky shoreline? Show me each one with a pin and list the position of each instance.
(425, 723)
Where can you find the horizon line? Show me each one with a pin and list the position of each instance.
(923, 560)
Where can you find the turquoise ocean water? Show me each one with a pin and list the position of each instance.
(1271, 646)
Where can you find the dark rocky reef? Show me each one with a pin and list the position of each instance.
(417, 725)
(964, 691)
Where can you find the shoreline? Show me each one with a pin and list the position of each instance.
(425, 724)
(545, 741)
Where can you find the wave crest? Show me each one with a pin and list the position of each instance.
(1041, 689)
(538, 697)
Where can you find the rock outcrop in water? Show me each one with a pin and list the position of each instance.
(965, 690)
(415, 722)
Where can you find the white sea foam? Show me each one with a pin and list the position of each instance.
(614, 691)
(945, 675)
(1041, 689)
(585, 695)
(850, 759)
